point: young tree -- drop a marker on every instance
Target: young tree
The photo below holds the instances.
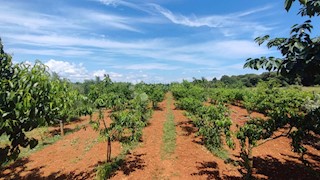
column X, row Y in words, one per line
column 24, row 104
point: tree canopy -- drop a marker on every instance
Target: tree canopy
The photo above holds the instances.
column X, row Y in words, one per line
column 300, row 51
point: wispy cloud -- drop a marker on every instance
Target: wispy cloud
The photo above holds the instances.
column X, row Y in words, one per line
column 69, row 41
column 229, row 24
column 139, row 6
column 148, row 66
column 51, row 52
column 71, row 19
column 168, row 50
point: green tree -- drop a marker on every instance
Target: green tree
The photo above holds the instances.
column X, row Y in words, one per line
column 300, row 51
column 24, row 103
column 31, row 97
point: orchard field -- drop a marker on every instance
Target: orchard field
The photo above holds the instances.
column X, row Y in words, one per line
column 240, row 127
column 178, row 131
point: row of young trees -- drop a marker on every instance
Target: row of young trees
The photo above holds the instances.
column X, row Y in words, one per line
column 130, row 108
column 288, row 108
column 212, row 120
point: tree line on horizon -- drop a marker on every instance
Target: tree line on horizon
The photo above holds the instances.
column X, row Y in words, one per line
column 251, row 80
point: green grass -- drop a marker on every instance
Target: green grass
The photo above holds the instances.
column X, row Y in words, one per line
column 221, row 153
column 74, row 141
column 315, row 89
column 90, row 144
column 169, row 132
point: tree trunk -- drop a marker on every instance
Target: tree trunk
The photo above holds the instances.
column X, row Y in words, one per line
column 154, row 104
column 61, row 127
column 250, row 161
column 109, row 150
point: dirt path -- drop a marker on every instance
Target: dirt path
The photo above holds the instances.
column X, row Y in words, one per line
column 194, row 161
column 145, row 161
column 75, row 156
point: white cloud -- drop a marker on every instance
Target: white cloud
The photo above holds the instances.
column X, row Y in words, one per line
column 77, row 72
column 238, row 49
column 18, row 18
column 113, row 75
column 53, row 52
column 110, row 2
column 73, row 41
column 109, row 20
column 99, row 73
column 229, row 24
column 148, row 66
column 115, row 3
column 72, row 71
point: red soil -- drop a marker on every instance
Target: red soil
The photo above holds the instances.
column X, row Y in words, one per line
column 75, row 156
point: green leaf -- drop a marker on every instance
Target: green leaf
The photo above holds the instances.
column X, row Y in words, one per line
column 304, row 2
column 5, row 114
column 288, row 4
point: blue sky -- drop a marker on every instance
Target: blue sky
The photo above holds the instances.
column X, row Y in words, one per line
column 135, row 40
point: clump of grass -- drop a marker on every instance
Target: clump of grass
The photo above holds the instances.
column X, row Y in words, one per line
column 90, row 144
column 106, row 170
column 169, row 132
column 221, row 153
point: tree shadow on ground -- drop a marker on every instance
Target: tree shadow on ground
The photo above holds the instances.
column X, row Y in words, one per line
column 310, row 155
column 208, row 169
column 272, row 168
column 158, row 109
column 312, row 140
column 187, row 127
column 132, row 163
column 19, row 170
column 58, row 132
column 269, row 167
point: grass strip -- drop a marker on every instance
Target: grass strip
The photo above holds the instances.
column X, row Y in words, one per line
column 169, row 132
